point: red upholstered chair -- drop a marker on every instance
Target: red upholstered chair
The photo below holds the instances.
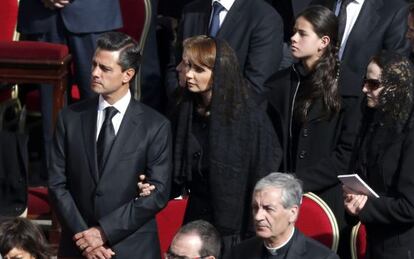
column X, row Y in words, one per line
column 169, row 220
column 136, row 15
column 36, row 62
column 8, row 19
column 317, row 221
column 358, row 241
column 38, row 205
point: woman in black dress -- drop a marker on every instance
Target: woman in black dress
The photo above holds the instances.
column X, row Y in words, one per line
column 384, row 156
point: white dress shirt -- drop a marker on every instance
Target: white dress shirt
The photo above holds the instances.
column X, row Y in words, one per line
column 352, row 11
column 227, row 4
column 121, row 105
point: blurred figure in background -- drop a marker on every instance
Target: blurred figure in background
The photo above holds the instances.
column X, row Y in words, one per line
column 20, row 238
column 196, row 239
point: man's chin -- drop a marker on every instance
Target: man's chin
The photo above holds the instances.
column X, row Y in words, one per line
column 262, row 233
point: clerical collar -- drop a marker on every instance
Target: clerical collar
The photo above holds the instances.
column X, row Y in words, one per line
column 281, row 248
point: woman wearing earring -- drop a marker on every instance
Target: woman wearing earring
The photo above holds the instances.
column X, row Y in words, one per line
column 384, row 156
column 223, row 142
column 315, row 124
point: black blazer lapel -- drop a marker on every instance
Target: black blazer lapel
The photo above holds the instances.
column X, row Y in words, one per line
column 298, row 246
column 366, row 23
column 232, row 19
column 126, row 133
column 88, row 119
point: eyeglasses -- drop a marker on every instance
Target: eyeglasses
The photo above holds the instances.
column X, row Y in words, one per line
column 372, row 84
column 171, row 255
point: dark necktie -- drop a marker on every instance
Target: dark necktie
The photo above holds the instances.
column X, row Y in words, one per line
column 342, row 19
column 215, row 19
column 106, row 137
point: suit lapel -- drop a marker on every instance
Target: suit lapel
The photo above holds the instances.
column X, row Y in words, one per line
column 88, row 120
column 298, row 246
column 232, row 19
column 126, row 131
column 366, row 22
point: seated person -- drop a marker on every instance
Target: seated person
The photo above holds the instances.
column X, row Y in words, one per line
column 21, row 239
column 275, row 203
column 196, row 239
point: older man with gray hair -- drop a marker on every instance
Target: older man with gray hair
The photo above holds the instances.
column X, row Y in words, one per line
column 275, row 203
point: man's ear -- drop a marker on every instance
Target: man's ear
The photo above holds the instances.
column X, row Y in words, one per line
column 294, row 212
column 128, row 75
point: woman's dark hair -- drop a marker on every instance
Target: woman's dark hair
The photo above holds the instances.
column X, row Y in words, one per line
column 397, row 78
column 324, row 78
column 23, row 234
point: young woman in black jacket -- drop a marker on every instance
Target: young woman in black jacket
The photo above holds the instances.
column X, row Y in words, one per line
column 384, row 156
column 315, row 124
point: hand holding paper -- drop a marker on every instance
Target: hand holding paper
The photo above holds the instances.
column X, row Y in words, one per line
column 355, row 184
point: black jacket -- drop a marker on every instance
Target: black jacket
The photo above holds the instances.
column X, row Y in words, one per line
column 13, row 173
column 302, row 247
column 323, row 147
column 386, row 162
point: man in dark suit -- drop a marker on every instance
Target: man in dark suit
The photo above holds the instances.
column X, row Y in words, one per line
column 371, row 26
column 100, row 146
column 253, row 29
column 276, row 201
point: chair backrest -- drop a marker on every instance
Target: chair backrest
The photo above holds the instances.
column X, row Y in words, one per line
column 316, row 220
column 136, row 16
column 169, row 221
column 358, row 241
column 8, row 19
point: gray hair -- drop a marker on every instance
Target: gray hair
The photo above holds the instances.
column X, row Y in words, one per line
column 290, row 185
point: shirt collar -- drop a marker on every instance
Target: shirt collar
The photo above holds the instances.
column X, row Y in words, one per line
column 274, row 250
column 357, row 1
column 227, row 4
column 121, row 105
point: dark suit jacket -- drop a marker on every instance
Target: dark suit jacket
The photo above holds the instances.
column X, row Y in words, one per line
column 252, row 28
column 80, row 16
column 302, row 247
column 381, row 24
column 142, row 144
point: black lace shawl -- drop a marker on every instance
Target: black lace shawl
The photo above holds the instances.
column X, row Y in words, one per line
column 243, row 146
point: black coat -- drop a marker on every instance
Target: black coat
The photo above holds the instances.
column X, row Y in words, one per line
column 302, row 247
column 388, row 169
column 324, row 146
column 13, row 173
